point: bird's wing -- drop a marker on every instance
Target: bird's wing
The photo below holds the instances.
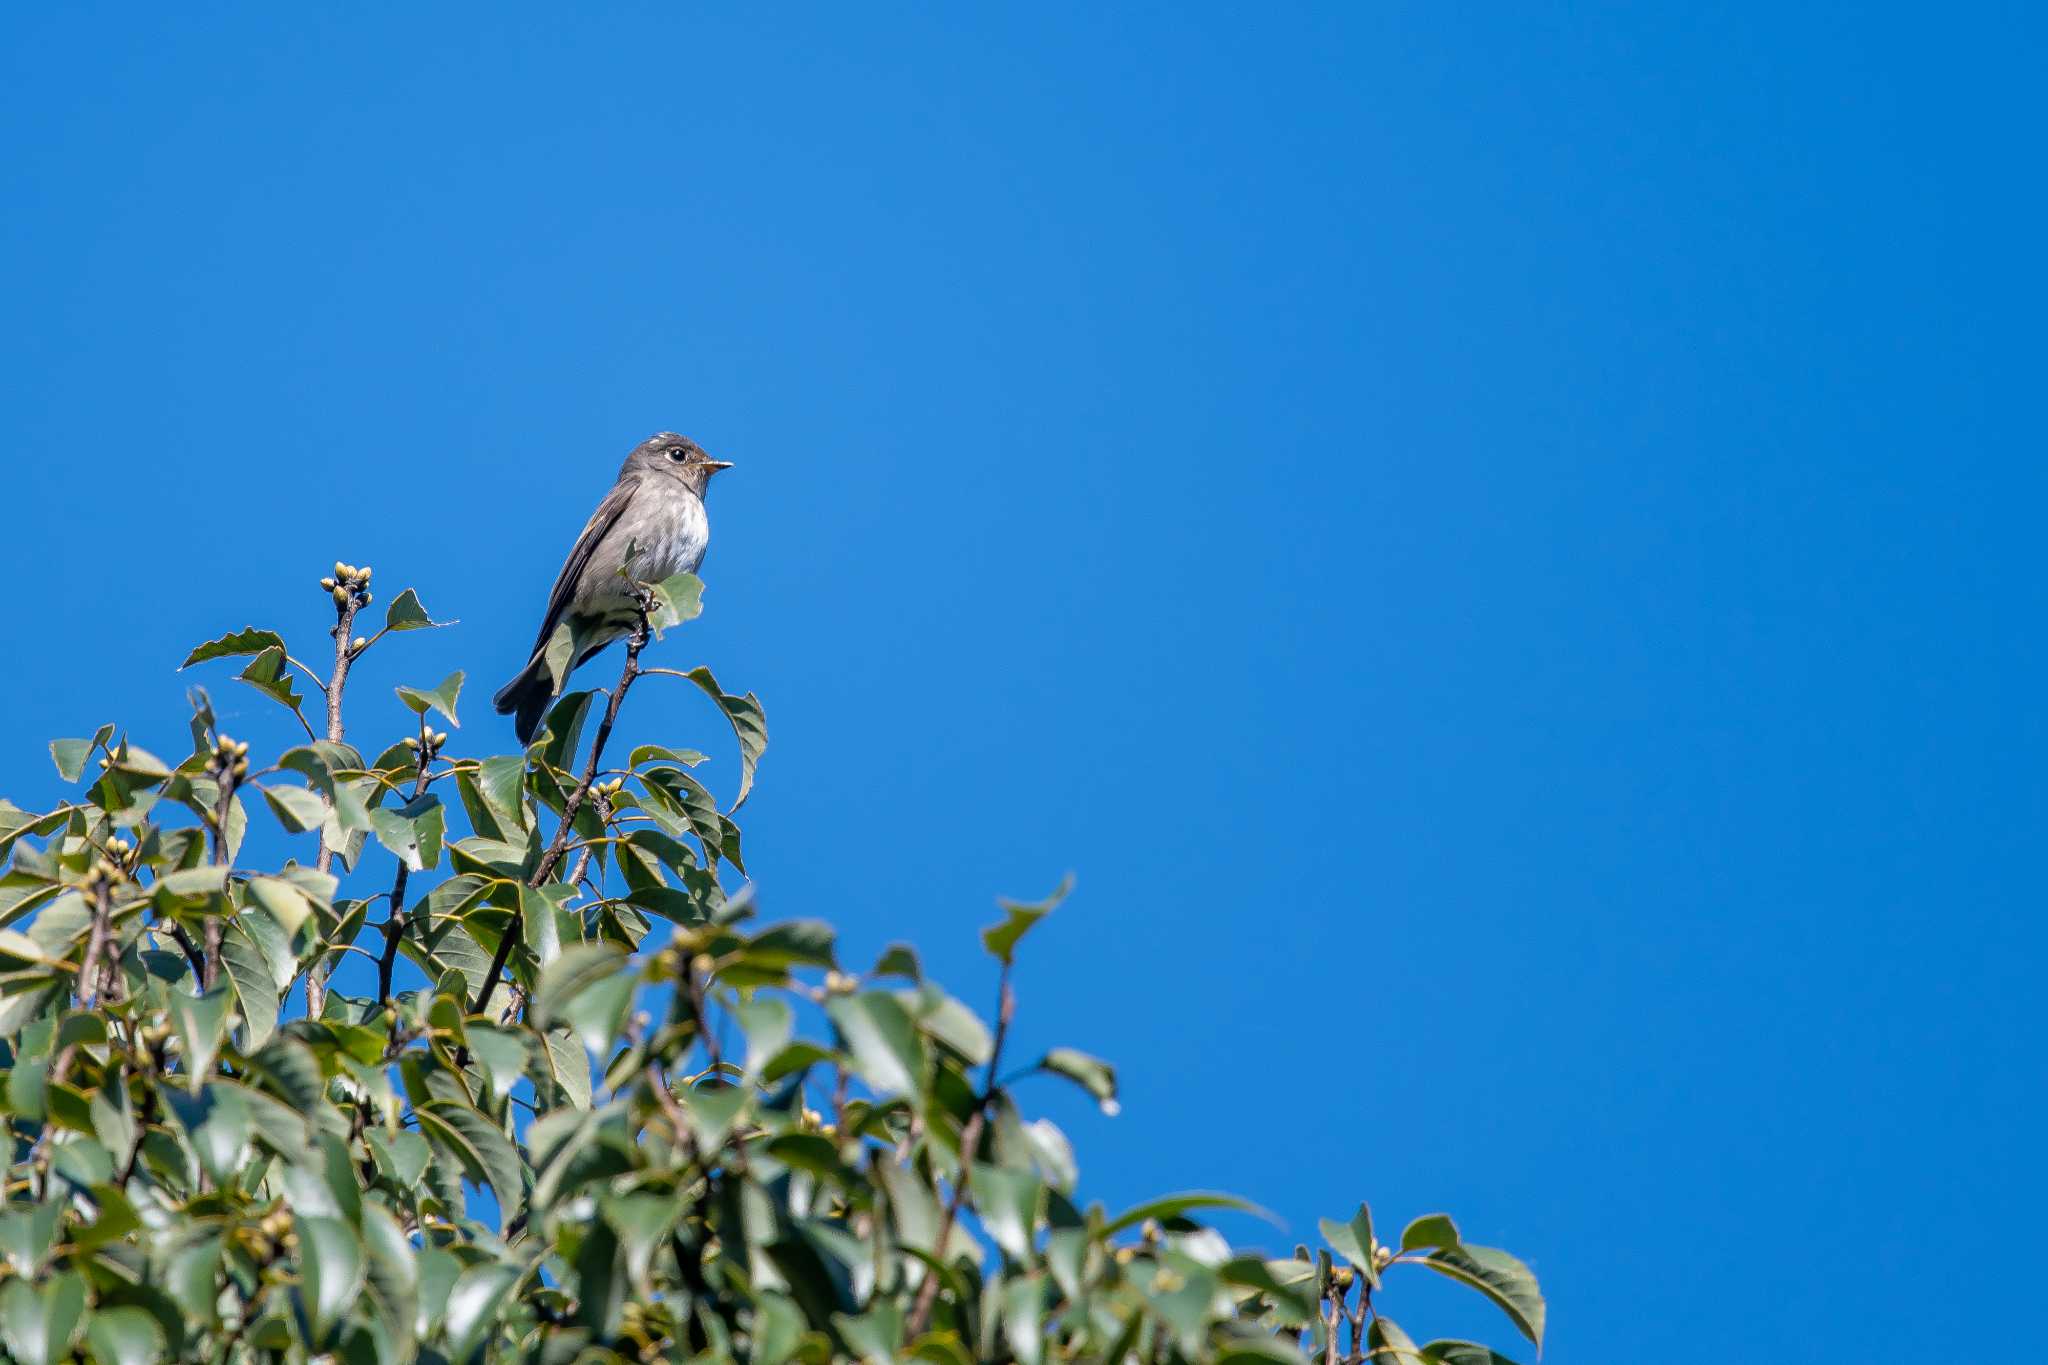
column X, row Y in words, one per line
column 601, row 522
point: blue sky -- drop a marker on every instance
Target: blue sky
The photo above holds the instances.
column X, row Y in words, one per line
column 1497, row 542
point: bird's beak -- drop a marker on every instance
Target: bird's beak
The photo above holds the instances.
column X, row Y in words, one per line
column 715, row 465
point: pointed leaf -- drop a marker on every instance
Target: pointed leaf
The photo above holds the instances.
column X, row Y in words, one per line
column 406, row 613
column 1001, row 939
column 250, row 641
column 441, row 699
column 749, row 726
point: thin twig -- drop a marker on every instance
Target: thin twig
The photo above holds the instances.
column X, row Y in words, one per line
column 344, row 656
column 636, row 642
column 970, row 1138
column 394, row 923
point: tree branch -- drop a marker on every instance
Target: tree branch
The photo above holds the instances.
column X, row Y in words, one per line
column 970, row 1138
column 351, row 596
column 552, row 859
column 394, row 925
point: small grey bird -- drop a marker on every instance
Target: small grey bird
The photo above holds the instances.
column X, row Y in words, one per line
column 656, row 508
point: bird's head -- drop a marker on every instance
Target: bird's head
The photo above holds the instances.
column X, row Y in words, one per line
column 672, row 456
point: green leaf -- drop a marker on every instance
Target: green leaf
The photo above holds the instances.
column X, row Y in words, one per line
column 406, row 613
column 440, row 699
column 569, row 1064
column 502, row 780
column 1391, row 1345
column 249, row 641
column 286, row 903
column 1092, row 1074
column 39, row 1325
column 1007, row 1201
column 27, row 1233
column 1353, row 1241
column 70, row 756
column 1001, row 939
column 268, row 674
column 1177, row 1205
column 125, row 1336
column 1462, row 1353
column 676, row 600
column 596, row 1014
column 768, row 1024
column 1024, row 1318
column 217, row 1123
column 474, row 1306
column 502, row 1055
column 712, row 1112
column 1430, row 1230
column 300, row 811
column 579, row 967
column 255, row 988
column 202, row 1022
column 749, row 726
column 332, row 1269
column 655, row 753
column 883, row 1039
column 414, row 832
column 393, row 1276
column 947, row 1021
column 1494, row 1273
column 497, row 1162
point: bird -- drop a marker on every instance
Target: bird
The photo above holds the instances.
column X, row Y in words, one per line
column 655, row 511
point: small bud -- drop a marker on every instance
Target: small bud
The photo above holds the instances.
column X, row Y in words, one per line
column 440, row 738
column 358, row 645
column 368, row 598
column 241, row 747
column 364, row 576
column 1342, row 1277
column 1124, row 1255
column 1382, row 1257
column 411, row 742
column 341, row 597
column 812, row 1118
column 327, row 585
column 340, row 569
column 702, row 964
column 839, row 983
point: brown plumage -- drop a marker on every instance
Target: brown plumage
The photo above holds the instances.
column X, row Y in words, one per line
column 657, row 510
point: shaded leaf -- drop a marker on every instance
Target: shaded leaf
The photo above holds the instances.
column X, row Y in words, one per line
column 749, row 727
column 441, row 699
column 406, row 613
column 241, row 642
column 1001, row 939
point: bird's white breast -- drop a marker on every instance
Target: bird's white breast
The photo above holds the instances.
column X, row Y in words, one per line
column 681, row 535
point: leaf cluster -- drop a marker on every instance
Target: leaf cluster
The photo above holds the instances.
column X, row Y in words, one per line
column 668, row 1131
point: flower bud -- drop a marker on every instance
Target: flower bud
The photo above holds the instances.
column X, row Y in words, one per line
column 440, row 738
column 1124, row 1255
column 341, row 597
column 358, row 645
column 340, row 569
column 327, row 585
column 363, row 576
column 703, row 964
column 369, row 598
column 411, row 743
column 1342, row 1277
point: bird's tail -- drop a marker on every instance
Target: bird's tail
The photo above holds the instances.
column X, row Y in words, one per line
column 526, row 697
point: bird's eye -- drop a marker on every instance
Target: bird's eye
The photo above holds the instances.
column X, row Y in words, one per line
column 676, row 452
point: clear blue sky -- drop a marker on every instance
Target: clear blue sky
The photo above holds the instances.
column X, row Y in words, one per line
column 1502, row 545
